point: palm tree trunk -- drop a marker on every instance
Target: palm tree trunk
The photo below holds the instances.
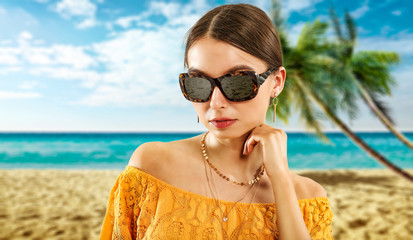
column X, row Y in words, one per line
column 358, row 141
column 380, row 115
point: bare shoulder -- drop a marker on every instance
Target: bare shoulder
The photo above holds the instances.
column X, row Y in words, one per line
column 158, row 158
column 307, row 188
column 149, row 156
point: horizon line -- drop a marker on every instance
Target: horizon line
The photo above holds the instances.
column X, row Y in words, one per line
column 158, row 131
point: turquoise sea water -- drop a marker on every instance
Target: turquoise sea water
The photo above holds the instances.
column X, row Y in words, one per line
column 113, row 150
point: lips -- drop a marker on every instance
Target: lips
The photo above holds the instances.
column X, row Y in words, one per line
column 222, row 122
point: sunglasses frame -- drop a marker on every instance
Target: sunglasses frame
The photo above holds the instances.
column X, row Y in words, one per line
column 257, row 80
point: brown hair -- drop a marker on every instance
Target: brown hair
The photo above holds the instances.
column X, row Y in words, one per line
column 243, row 26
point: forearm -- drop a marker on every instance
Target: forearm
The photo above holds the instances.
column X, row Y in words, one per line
column 290, row 221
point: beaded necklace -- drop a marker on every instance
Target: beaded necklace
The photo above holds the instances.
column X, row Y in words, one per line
column 225, row 218
column 204, row 153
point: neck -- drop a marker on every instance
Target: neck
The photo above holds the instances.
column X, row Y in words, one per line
column 226, row 155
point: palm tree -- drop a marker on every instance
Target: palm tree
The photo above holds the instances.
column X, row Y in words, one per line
column 370, row 72
column 315, row 75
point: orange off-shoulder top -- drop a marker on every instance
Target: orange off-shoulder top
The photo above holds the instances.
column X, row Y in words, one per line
column 141, row 206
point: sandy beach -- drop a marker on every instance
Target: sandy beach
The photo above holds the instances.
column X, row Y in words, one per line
column 70, row 204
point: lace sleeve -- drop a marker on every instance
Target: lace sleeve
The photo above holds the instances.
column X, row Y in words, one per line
column 122, row 208
column 322, row 217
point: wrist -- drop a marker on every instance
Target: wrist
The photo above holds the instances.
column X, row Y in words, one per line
column 280, row 177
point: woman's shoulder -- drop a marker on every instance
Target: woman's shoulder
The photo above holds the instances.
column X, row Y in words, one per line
column 158, row 158
column 306, row 188
column 144, row 156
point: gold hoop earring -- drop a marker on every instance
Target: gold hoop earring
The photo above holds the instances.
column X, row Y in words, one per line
column 274, row 103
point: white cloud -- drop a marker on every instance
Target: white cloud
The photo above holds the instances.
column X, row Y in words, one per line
column 78, row 8
column 136, row 73
column 17, row 17
column 72, row 56
column 361, row 30
column 25, row 53
column 168, row 10
column 361, row 11
column 87, row 78
column 135, row 59
column 175, row 14
column 87, row 23
column 385, row 30
column 403, row 77
column 388, row 44
column 19, row 95
column 9, row 56
column 136, row 66
column 26, row 35
column 28, row 84
column 2, row 10
column 38, row 42
column 38, row 57
column 9, row 70
column 401, row 101
column 69, row 8
column 126, row 22
column 289, row 6
column 6, row 42
column 396, row 12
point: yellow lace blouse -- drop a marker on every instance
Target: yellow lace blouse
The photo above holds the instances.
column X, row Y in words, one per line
column 141, row 206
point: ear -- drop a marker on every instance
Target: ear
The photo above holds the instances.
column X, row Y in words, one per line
column 279, row 79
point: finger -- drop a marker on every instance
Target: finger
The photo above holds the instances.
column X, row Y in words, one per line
column 252, row 141
column 246, row 148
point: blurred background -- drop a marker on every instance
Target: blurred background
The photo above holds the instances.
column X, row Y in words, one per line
column 84, row 82
column 110, row 67
column 95, row 65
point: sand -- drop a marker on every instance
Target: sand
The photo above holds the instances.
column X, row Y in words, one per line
column 70, row 204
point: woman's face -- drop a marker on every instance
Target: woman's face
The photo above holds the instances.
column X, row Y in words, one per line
column 214, row 58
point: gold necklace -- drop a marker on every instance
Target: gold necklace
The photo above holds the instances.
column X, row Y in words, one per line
column 204, row 153
column 219, row 205
column 225, row 218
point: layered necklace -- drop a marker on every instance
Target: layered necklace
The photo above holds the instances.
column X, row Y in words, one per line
column 251, row 183
column 204, row 153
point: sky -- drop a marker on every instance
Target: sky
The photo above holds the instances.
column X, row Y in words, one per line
column 113, row 65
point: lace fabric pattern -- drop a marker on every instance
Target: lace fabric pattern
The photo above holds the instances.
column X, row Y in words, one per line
column 143, row 207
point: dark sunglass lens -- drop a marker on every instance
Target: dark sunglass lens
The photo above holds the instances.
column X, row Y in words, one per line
column 197, row 88
column 238, row 86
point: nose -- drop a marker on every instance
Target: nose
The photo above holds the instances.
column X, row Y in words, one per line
column 218, row 99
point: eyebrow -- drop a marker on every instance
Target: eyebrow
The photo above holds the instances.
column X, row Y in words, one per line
column 231, row 70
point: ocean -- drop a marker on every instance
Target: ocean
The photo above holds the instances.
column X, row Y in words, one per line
column 113, row 150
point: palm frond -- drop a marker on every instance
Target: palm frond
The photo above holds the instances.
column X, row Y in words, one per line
column 336, row 23
column 312, row 37
column 381, row 105
column 372, row 69
column 351, row 27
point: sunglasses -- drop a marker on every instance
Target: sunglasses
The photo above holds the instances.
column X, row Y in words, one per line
column 236, row 87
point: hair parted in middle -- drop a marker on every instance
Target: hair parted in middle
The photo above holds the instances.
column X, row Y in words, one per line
column 244, row 26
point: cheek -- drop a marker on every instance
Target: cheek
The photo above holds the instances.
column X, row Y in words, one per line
column 255, row 110
column 200, row 108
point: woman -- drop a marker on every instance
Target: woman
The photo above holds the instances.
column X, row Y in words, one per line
column 233, row 182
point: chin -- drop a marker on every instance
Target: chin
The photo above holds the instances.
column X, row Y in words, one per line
column 230, row 132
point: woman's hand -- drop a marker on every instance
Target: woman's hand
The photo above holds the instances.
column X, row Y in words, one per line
column 271, row 144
